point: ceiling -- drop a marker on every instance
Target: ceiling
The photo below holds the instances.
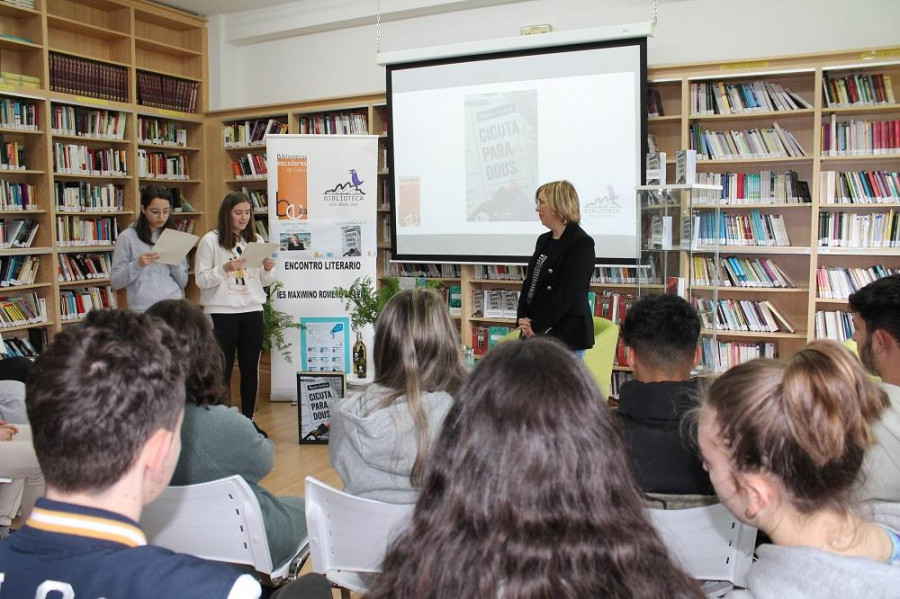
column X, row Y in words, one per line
column 208, row 8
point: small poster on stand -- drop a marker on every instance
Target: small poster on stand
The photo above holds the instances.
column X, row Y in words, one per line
column 317, row 393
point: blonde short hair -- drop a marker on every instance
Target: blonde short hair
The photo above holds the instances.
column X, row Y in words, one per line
column 562, row 198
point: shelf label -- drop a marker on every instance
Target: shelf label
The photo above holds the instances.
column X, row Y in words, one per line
column 7, row 88
column 738, row 66
column 95, row 101
column 880, row 54
column 167, row 112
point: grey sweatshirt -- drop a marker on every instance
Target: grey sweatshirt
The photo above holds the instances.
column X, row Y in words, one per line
column 881, row 470
column 144, row 285
column 804, row 572
column 373, row 449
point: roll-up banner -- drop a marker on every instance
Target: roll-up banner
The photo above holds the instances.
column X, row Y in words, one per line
column 322, row 210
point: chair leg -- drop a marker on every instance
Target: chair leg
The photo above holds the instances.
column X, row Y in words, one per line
column 345, row 593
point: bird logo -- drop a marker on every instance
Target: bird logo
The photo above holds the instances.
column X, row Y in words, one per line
column 354, row 178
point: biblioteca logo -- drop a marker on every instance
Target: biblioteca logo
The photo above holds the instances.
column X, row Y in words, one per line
column 604, row 207
column 348, row 193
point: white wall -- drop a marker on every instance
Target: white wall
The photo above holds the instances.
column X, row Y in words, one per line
column 313, row 49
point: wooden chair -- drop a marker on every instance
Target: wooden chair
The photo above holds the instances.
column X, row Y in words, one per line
column 220, row 521
column 349, row 535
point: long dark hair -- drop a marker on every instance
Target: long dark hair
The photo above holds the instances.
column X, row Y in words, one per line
column 528, row 494
column 204, row 383
column 417, row 351
column 148, row 194
column 228, row 237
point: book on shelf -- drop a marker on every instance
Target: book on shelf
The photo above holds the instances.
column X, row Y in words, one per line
column 496, row 333
column 837, row 282
column 770, row 142
column 454, row 300
column 83, row 196
column 164, row 91
column 74, row 304
column 480, row 337
column 656, row 168
column 859, row 230
column 17, row 232
column 345, row 123
column 12, row 155
column 83, row 267
column 857, row 137
column 76, row 159
column 860, row 187
column 262, row 229
column 87, row 122
column 722, row 355
column 22, row 310
column 660, row 232
column 20, row 80
column 76, row 230
column 720, row 97
column 654, row 102
column 18, row 270
column 85, row 77
column 18, row 113
column 162, row 165
column 836, row 325
column 161, row 132
column 764, row 187
column 686, row 167
column 857, row 89
column 510, row 303
column 493, row 303
column 477, row 307
column 252, row 132
column 752, row 229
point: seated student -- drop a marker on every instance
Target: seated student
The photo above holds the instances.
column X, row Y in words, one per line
column 527, row 494
column 379, row 439
column 660, row 333
column 218, row 441
column 784, row 443
column 18, row 462
column 106, row 422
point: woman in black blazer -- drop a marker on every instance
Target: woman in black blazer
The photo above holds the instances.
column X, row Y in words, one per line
column 554, row 299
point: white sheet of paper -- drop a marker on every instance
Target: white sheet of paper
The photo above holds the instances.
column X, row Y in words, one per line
column 173, row 245
column 255, row 252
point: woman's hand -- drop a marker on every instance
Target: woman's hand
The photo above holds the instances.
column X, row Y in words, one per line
column 147, row 258
column 525, row 327
column 233, row 265
column 268, row 264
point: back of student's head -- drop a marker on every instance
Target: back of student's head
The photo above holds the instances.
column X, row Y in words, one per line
column 663, row 330
column 528, row 493
column 878, row 304
column 97, row 394
column 204, row 378
column 417, row 351
column 806, row 421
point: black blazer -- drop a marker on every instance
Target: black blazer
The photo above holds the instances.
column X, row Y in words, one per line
column 560, row 306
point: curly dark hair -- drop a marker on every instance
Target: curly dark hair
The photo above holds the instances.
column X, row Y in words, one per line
column 204, row 384
column 878, row 304
column 528, row 494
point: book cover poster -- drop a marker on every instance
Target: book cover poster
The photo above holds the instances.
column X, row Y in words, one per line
column 317, row 394
column 351, row 240
column 292, row 202
column 325, row 344
column 409, row 199
column 294, row 242
column 501, row 156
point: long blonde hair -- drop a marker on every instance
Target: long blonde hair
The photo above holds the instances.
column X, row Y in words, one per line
column 417, row 351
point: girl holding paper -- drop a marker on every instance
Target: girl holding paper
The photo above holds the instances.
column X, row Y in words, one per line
column 135, row 267
column 233, row 293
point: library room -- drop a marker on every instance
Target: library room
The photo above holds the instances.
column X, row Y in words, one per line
column 268, row 267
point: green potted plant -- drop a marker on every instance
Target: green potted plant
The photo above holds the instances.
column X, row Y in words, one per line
column 275, row 323
column 364, row 302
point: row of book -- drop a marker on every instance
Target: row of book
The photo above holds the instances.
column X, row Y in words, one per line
column 862, row 187
column 17, row 347
column 654, row 103
column 764, row 187
column 428, row 270
column 18, row 270
column 262, row 229
column 857, row 89
column 74, row 304
column 12, row 155
column 21, row 3
column 86, row 231
column 752, row 229
column 250, row 166
column 836, row 325
column 19, row 79
column 735, row 271
column 741, row 315
column 83, row 267
column 83, row 196
column 163, row 91
column 484, row 338
column 185, row 225
column 860, row 137
column 22, row 310
column 603, row 275
column 162, row 165
column 837, row 282
column 259, row 198
column 17, row 196
column 348, row 123
column 495, row 303
column 614, row 306
column 252, row 132
column 161, row 132
column 17, row 232
column 500, row 272
column 719, row 356
column 851, row 230
column 87, row 122
column 19, row 114
column 719, row 97
column 85, row 77
column 74, row 159
column 771, row 142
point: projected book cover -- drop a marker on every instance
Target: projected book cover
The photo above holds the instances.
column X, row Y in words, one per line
column 501, row 156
